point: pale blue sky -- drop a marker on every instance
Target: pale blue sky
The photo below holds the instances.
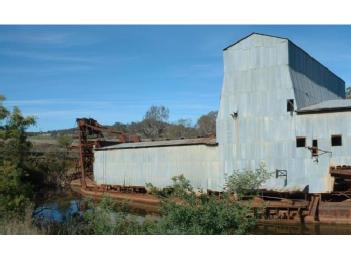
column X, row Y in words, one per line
column 114, row 73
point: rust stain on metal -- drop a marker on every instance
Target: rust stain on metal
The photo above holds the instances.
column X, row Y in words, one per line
column 131, row 196
column 90, row 131
column 90, row 135
column 340, row 171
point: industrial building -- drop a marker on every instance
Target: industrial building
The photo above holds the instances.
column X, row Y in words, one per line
column 279, row 106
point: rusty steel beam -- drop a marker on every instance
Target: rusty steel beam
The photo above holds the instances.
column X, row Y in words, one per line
column 90, row 135
column 87, row 129
column 340, row 171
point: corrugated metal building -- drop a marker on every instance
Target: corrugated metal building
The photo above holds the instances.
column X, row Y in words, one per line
column 135, row 164
column 276, row 101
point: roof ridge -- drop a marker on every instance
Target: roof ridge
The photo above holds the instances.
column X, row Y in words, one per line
column 289, row 41
column 251, row 34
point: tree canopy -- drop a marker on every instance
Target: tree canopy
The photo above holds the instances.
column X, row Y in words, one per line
column 15, row 188
column 206, row 124
column 156, row 125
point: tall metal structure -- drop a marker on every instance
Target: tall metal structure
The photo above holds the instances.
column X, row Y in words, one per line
column 90, row 136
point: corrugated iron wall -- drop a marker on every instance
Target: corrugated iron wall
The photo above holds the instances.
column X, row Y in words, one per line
column 157, row 165
column 312, row 81
column 258, row 80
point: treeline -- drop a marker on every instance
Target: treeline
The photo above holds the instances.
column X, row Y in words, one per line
column 156, row 125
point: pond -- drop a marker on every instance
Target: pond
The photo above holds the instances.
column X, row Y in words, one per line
column 58, row 207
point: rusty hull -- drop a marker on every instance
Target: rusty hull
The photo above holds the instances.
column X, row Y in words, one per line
column 275, row 211
column 138, row 201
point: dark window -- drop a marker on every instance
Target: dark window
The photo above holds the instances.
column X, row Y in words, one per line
column 300, row 141
column 314, row 147
column 290, row 105
column 336, row 140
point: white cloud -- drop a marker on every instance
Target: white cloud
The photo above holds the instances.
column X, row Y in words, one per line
column 48, row 36
column 45, row 70
column 48, row 56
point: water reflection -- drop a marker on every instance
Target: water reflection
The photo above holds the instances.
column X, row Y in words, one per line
column 54, row 212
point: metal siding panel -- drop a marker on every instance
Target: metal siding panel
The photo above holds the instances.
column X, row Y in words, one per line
column 158, row 165
column 264, row 131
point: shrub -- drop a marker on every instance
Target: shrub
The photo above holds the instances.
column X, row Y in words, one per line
column 109, row 218
column 247, row 182
column 183, row 212
column 15, row 186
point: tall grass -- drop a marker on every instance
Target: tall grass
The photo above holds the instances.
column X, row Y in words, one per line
column 20, row 225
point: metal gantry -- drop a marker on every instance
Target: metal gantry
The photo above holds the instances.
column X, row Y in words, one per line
column 90, row 136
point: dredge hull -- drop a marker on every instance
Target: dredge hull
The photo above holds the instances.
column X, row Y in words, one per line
column 277, row 210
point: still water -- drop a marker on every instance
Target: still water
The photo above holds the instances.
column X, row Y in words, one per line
column 61, row 206
column 57, row 207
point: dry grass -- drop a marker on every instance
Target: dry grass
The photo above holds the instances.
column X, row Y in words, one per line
column 20, row 226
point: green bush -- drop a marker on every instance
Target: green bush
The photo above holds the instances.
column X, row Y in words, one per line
column 104, row 218
column 15, row 186
column 247, row 182
column 185, row 212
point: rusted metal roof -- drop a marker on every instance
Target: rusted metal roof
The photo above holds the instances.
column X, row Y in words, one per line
column 337, row 105
column 163, row 143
